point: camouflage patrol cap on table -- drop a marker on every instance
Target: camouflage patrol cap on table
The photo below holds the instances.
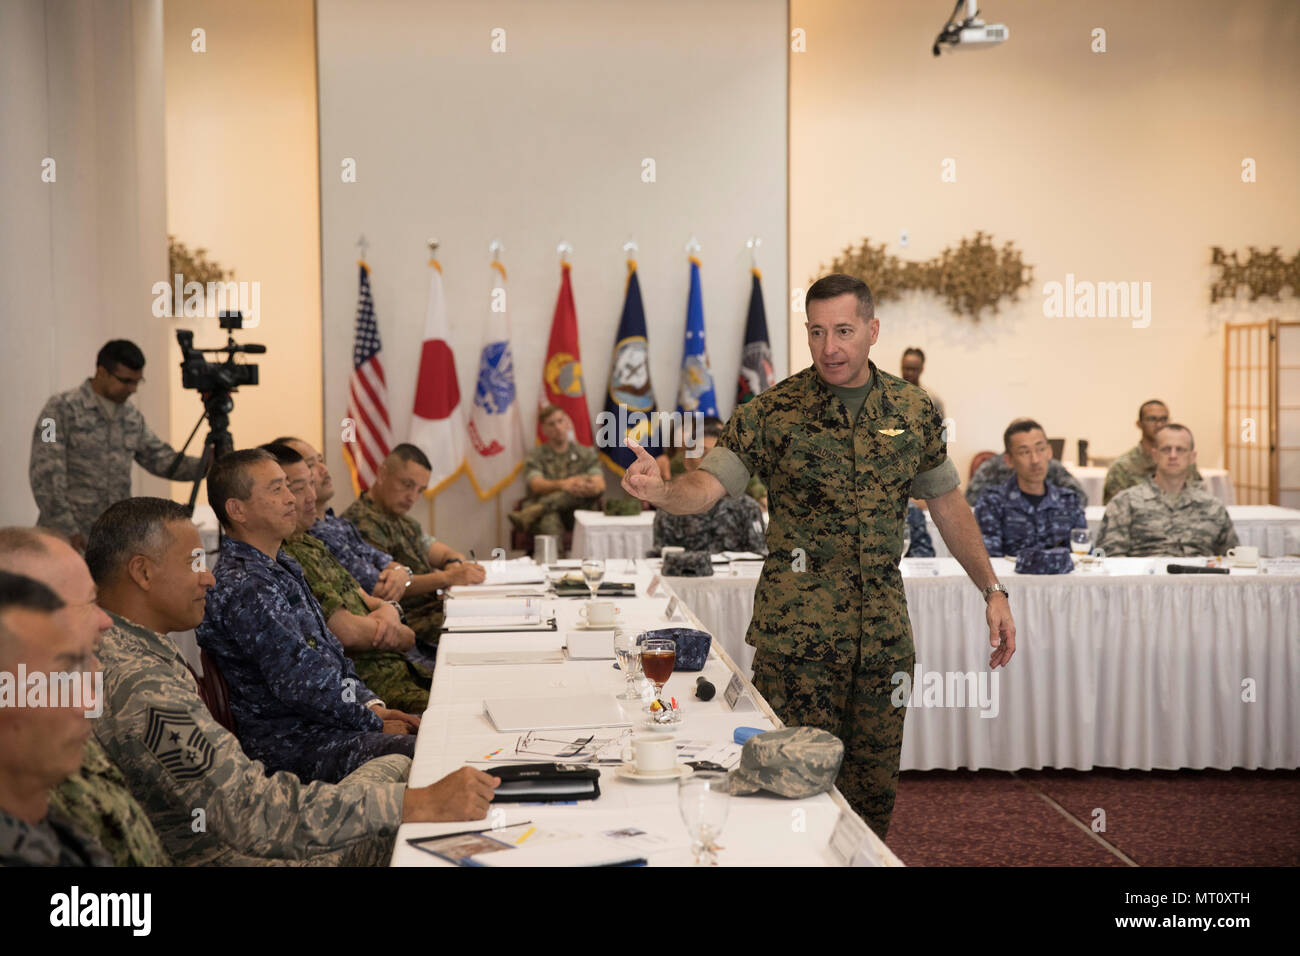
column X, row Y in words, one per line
column 623, row 507
column 795, row 762
column 1044, row 561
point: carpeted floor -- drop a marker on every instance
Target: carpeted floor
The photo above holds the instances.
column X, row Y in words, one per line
column 1046, row 818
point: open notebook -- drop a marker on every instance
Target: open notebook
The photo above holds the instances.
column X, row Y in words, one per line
column 497, row 614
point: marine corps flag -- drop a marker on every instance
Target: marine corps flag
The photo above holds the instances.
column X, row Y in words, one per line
column 496, row 435
column 438, row 419
column 696, row 393
column 562, row 373
column 756, row 373
column 630, row 401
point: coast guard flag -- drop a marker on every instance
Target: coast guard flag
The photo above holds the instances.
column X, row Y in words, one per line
column 756, row 373
column 438, row 419
column 630, row 398
column 369, row 438
column 696, row 392
column 562, row 373
column 496, row 435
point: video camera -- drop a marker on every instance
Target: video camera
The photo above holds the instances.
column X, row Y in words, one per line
column 204, row 376
column 214, row 381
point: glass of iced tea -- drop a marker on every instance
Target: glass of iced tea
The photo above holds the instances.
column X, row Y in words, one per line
column 658, row 657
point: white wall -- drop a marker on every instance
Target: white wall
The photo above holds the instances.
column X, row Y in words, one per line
column 536, row 145
column 81, row 84
column 1115, row 166
column 241, row 182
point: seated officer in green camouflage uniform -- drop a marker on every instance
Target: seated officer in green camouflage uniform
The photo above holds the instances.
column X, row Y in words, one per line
column 95, row 797
column 1167, row 514
column 841, row 447
column 370, row 630
column 41, row 746
column 380, row 514
column 1138, row 464
column 211, row 803
column 85, row 440
column 561, row 476
column 732, row 524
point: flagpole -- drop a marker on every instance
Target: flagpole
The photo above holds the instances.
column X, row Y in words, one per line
column 433, row 499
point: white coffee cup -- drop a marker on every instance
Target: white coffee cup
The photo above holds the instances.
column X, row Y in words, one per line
column 654, row 753
column 1244, row 556
column 597, row 613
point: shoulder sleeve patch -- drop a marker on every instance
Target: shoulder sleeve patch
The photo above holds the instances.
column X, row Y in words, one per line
column 173, row 737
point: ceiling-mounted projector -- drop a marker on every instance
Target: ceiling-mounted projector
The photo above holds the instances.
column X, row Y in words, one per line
column 969, row 34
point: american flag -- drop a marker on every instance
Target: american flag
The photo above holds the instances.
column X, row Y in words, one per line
column 370, row 436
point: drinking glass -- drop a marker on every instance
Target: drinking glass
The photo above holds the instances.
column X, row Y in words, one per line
column 703, row 799
column 1080, row 540
column 658, row 658
column 907, row 539
column 629, row 661
column 593, row 572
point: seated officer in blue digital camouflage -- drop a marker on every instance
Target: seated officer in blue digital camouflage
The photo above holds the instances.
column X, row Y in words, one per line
column 1027, row 510
column 296, row 698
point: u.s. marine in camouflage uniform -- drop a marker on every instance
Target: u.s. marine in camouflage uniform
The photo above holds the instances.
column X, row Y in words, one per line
column 380, row 514
column 561, row 476
column 84, row 442
column 389, row 674
column 99, row 801
column 841, row 447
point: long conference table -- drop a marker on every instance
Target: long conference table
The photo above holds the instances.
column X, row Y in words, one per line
column 1133, row 668
column 761, row 830
column 1275, row 531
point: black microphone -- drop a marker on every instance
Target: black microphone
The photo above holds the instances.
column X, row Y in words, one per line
column 704, row 690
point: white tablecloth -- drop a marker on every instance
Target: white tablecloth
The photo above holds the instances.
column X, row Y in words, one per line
column 598, row 535
column 1125, row 670
column 760, row 830
column 1275, row 531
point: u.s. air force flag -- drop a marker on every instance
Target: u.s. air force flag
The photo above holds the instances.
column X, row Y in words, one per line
column 496, row 434
column 630, row 400
column 696, row 392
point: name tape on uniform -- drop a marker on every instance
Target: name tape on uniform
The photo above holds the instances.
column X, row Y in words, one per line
column 851, row 842
column 736, row 696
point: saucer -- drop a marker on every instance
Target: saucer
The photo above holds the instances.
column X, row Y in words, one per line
column 584, row 626
column 628, row 771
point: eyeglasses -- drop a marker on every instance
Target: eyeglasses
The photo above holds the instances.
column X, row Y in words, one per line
column 128, row 381
column 1155, row 418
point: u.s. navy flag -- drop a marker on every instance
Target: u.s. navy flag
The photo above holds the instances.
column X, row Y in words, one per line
column 496, row 435
column 756, row 374
column 630, row 400
column 438, row 419
column 369, row 437
column 562, row 373
column 696, row 393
